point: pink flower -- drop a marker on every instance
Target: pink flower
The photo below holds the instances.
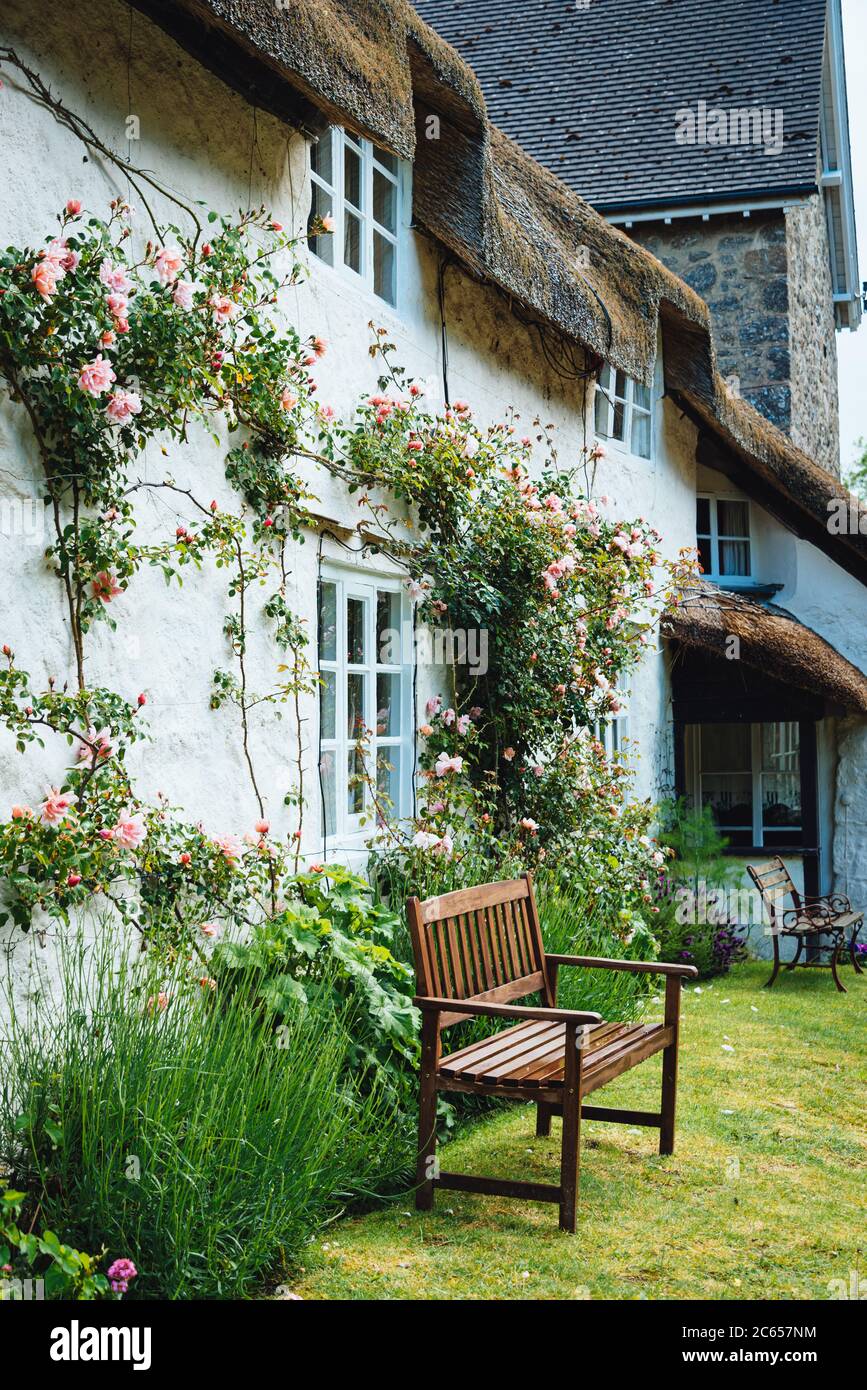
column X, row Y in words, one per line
column 475, row 711
column 58, row 254
column 73, row 880
column 97, row 376
column 437, row 807
column 207, row 982
column 425, row 730
column 21, row 813
column 45, row 275
column 508, row 754
column 415, row 445
column 158, row 1001
column 129, row 830
column 121, row 405
column 287, row 400
column 115, row 278
column 328, row 222
column 229, row 846
column 463, row 723
column 529, row 824
column 433, row 705
column 101, row 742
column 105, row 586
column 448, row 716
column 225, row 309
column 318, row 345
column 445, row 764
column 182, row 294
column 73, row 207
column 167, row 264
column 122, row 1271
column 208, row 929
column 117, row 305
column 56, row 806
column 262, row 827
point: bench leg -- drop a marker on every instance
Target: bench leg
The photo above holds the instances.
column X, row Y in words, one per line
column 571, row 1140
column 837, row 981
column 853, row 953
column 669, row 1065
column 776, row 970
column 543, row 1121
column 427, row 1114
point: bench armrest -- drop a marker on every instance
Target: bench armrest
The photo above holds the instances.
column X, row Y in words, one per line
column 636, row 967
column 514, row 1011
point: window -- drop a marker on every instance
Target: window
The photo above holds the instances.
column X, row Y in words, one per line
column 750, row 777
column 722, row 526
column 622, row 409
column 358, row 185
column 613, row 734
column 365, row 703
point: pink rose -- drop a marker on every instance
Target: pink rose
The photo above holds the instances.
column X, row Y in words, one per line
column 168, row 262
column 529, row 824
column 45, row 275
column 105, row 587
column 433, row 705
column 56, row 806
column 425, row 730
column 208, row 929
column 97, row 376
column 21, row 813
column 73, row 207
column 328, row 222
column 182, row 294
column 225, row 309
column 73, row 880
column 508, row 754
column 287, row 400
column 262, row 827
column 115, row 278
column 463, row 723
column 445, row 765
column 129, row 830
column 158, row 1001
column 229, row 846
column 121, row 405
column 101, row 742
column 448, row 716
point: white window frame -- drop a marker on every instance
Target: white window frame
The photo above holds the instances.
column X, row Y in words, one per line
column 714, row 574
column 756, row 774
column 604, row 403
column 352, row 829
column 369, row 156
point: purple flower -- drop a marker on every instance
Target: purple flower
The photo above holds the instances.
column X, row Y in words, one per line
column 120, row 1273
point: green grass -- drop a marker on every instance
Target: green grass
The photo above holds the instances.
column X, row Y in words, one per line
column 764, row 1202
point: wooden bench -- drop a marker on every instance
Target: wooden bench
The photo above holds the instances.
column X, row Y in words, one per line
column 807, row 920
column 476, row 951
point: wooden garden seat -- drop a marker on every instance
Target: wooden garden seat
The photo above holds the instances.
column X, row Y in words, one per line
column 831, row 916
column 476, row 951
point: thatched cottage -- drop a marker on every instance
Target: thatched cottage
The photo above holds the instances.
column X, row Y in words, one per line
column 499, row 284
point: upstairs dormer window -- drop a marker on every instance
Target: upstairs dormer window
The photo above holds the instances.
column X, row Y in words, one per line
column 357, row 185
column 623, row 411
column 722, row 526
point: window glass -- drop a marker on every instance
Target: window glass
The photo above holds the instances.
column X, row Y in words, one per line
column 355, row 636
column 384, row 201
column 387, row 705
column 328, row 705
column 355, row 681
column 352, row 241
column 352, row 183
column 327, row 621
column 383, row 267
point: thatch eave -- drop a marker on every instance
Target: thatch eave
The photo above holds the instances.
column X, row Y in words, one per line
column 769, row 640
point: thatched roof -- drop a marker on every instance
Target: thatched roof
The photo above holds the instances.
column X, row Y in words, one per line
column 374, row 66
column 770, row 640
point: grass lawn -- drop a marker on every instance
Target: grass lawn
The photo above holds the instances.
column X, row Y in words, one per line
column 764, row 1197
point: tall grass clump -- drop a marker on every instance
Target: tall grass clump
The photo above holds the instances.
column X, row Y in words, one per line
column 575, row 923
column 186, row 1131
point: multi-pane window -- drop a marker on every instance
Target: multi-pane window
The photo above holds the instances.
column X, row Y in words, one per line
column 623, row 411
column 750, row 777
column 357, row 185
column 722, row 527
column 365, row 706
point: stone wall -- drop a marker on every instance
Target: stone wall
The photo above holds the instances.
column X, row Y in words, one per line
column 767, row 282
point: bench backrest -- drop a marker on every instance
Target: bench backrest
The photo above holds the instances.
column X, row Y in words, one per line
column 774, row 883
column 479, row 943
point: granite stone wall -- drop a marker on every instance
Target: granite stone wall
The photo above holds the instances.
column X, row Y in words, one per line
column 767, row 282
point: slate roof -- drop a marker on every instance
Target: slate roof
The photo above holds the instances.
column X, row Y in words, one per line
column 591, row 92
